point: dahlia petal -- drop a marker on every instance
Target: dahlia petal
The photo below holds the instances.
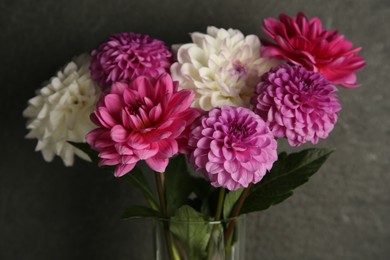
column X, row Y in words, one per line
column 143, row 86
column 204, row 143
column 214, row 145
column 155, row 113
column 231, row 166
column 111, row 155
column 188, row 70
column 144, row 117
column 135, row 122
column 222, row 179
column 130, row 96
column 213, row 157
column 201, row 160
column 113, row 103
column 157, row 135
column 245, row 177
column 119, row 134
column 48, row 155
column 227, row 153
column 182, row 54
column 122, row 169
column 108, row 162
column 105, row 117
column 137, row 141
column 197, row 56
column 147, row 152
column 118, row 88
column 157, row 164
column 270, row 25
column 231, row 185
column 213, row 168
column 167, row 148
column 99, row 138
column 180, row 101
column 243, row 157
column 259, row 174
column 129, row 159
column 165, row 86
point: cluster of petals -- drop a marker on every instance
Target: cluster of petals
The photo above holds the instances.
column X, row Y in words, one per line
column 222, row 67
column 125, row 56
column 304, row 42
column 60, row 111
column 298, row 104
column 232, row 146
column 146, row 119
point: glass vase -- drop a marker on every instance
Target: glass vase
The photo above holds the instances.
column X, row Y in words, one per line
column 200, row 240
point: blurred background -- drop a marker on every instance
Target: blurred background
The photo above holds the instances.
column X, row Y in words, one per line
column 49, row 211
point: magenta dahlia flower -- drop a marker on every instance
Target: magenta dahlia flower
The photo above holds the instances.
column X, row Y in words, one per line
column 142, row 120
column 304, row 42
column 298, row 104
column 232, row 146
column 126, row 56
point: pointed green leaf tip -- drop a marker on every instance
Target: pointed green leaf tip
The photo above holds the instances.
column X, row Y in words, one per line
column 288, row 172
column 84, row 147
column 136, row 211
column 137, row 179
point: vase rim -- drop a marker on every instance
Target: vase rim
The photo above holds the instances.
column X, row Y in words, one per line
column 210, row 222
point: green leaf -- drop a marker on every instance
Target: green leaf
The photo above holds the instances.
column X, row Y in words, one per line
column 136, row 178
column 140, row 212
column 84, row 147
column 192, row 231
column 178, row 183
column 230, row 200
column 289, row 172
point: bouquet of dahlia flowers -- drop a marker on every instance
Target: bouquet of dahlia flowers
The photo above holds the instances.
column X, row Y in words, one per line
column 204, row 120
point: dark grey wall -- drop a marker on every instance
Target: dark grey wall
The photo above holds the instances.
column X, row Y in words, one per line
column 48, row 211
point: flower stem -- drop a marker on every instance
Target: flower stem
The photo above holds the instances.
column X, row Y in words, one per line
column 235, row 213
column 221, row 199
column 163, row 208
column 214, row 232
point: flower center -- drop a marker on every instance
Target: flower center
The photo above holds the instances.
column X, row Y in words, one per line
column 239, row 68
column 140, row 110
column 238, row 131
column 135, row 109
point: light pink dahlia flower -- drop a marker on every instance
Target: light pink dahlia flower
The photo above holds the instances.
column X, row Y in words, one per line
column 304, row 42
column 143, row 120
column 232, row 146
column 298, row 104
column 126, row 56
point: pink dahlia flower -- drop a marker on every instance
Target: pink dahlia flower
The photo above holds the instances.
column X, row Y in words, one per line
column 298, row 104
column 232, row 146
column 304, row 42
column 142, row 120
column 126, row 56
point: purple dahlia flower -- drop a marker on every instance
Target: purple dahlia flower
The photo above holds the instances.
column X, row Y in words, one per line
column 232, row 146
column 298, row 104
column 128, row 55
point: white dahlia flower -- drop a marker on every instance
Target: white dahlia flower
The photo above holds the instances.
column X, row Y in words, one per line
column 60, row 111
column 222, row 67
